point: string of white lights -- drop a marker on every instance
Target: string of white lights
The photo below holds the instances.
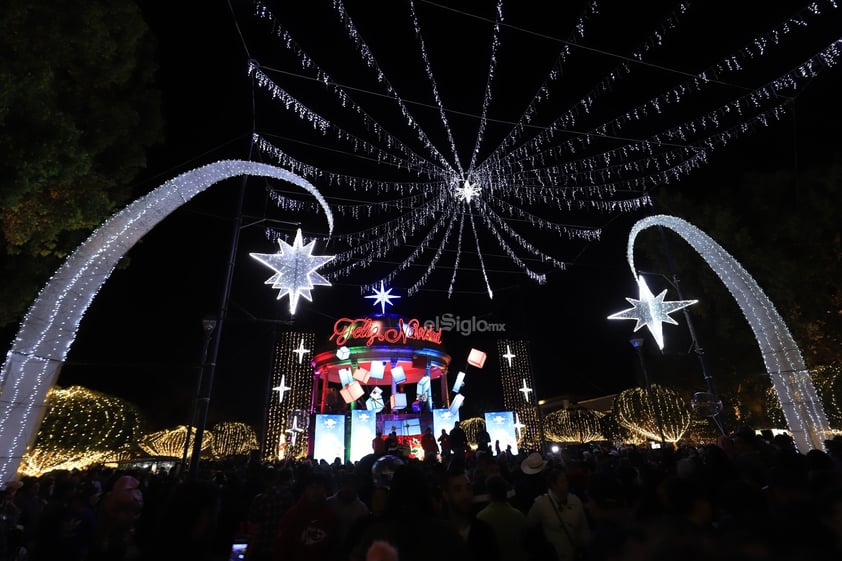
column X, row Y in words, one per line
column 435, row 89
column 458, row 256
column 422, row 280
column 802, row 409
column 479, row 255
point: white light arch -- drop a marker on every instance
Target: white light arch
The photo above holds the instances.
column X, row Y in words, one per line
column 800, row 404
column 47, row 331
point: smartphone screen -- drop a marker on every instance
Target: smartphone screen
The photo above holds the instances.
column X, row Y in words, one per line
column 238, row 552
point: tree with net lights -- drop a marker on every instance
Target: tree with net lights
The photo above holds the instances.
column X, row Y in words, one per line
column 170, row 443
column 472, row 427
column 233, row 439
column 573, row 425
column 634, row 410
column 82, row 427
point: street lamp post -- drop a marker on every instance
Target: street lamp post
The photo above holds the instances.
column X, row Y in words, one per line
column 637, row 343
column 208, row 327
column 202, row 400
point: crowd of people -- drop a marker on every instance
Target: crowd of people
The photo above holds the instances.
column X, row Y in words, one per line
column 741, row 498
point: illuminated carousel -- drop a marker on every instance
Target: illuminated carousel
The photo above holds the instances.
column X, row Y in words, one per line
column 390, row 374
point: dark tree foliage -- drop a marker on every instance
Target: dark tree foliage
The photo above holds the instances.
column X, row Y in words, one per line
column 78, row 110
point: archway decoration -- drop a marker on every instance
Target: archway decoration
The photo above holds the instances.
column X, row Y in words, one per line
column 802, row 409
column 47, row 331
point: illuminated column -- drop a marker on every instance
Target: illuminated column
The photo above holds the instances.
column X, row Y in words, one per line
column 519, row 397
column 292, row 391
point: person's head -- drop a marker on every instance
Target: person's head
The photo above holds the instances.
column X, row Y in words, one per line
column 315, row 488
column 444, row 432
column 458, row 493
column 377, row 502
column 497, row 487
column 347, row 487
column 557, row 482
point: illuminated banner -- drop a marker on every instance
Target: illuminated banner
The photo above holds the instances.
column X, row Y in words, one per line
column 444, row 419
column 373, row 331
column 363, row 431
column 501, row 427
column 329, row 437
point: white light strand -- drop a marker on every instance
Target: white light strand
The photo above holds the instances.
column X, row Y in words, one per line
column 346, row 100
column 49, row 326
column 479, row 255
column 802, row 409
column 458, row 256
column 492, row 64
column 432, row 80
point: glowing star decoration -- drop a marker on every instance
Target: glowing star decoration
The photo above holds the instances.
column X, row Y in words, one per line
column 467, row 192
column 383, row 297
column 295, row 269
column 525, row 389
column 301, row 351
column 518, row 426
column 294, row 431
column 509, row 355
column 651, row 311
column 282, row 389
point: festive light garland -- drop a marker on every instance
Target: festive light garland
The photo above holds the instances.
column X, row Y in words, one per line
column 285, row 427
column 49, row 327
column 560, row 167
column 81, row 428
column 634, row 410
column 802, row 409
column 515, row 374
column 233, row 439
column 573, row 425
column 170, row 443
column 472, row 426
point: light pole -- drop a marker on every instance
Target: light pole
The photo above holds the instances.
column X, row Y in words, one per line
column 637, row 343
column 202, row 401
column 208, row 327
column 694, row 342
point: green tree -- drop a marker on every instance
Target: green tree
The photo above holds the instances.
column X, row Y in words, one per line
column 78, row 110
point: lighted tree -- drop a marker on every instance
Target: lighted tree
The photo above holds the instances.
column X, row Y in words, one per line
column 78, row 110
column 82, row 427
column 472, row 426
column 828, row 383
column 633, row 410
column 573, row 425
column 170, row 442
column 233, row 439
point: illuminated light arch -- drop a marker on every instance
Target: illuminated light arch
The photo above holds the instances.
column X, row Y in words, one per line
column 802, row 409
column 47, row 331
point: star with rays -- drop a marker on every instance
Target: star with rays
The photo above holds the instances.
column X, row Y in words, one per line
column 282, row 389
column 509, row 355
column 294, row 430
column 301, row 351
column 467, row 192
column 383, row 297
column 295, row 269
column 651, row 311
column 525, row 389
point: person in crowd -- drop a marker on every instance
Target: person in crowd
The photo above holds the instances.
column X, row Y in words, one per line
column 392, row 443
column 429, row 445
column 266, row 510
column 458, row 442
column 307, row 531
column 458, row 497
column 444, row 445
column 483, row 440
column 562, row 517
column 378, row 444
column 507, row 522
column 529, row 482
column 347, row 505
column 117, row 517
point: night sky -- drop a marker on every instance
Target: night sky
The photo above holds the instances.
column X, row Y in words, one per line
column 142, row 337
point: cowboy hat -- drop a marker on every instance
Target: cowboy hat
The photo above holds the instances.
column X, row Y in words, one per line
column 534, row 463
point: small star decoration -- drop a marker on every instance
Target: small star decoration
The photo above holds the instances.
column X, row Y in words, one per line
column 383, row 297
column 467, row 192
column 651, row 311
column 509, row 355
column 295, row 269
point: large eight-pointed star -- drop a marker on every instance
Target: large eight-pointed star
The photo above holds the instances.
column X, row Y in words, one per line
column 295, row 269
column 651, row 311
